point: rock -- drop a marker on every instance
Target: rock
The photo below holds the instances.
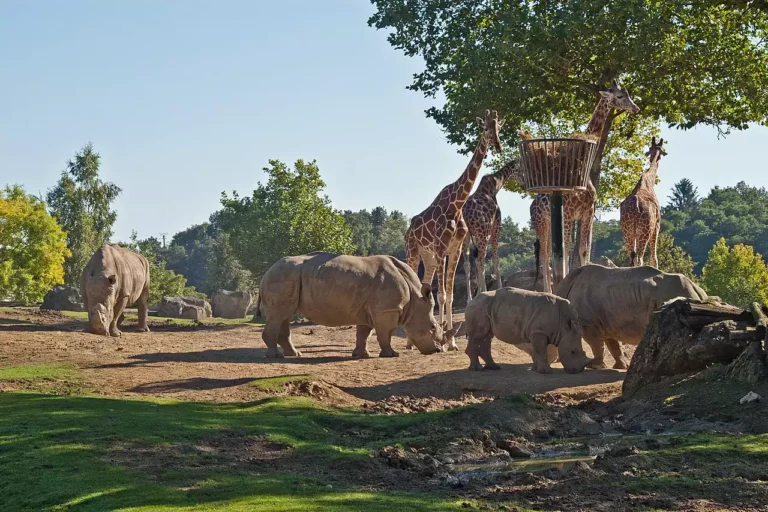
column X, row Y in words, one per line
column 679, row 340
column 178, row 307
column 749, row 398
column 227, row 304
column 525, row 280
column 750, row 365
column 63, row 298
column 201, row 303
column 515, row 449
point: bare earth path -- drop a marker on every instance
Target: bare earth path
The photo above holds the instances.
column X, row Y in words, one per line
column 218, row 362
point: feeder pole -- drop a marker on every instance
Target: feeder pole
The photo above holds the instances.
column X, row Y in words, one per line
column 558, row 262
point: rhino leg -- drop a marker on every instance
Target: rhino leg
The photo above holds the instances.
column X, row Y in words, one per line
column 472, row 352
column 361, row 346
column 143, row 306
column 598, row 351
column 553, row 355
column 271, row 335
column 614, row 347
column 539, row 344
column 385, row 325
column 486, row 355
column 117, row 314
column 284, row 339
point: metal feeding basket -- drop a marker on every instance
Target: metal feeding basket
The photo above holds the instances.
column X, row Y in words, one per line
column 556, row 165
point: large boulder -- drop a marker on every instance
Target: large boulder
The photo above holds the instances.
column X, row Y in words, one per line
column 688, row 335
column 183, row 307
column 227, row 304
column 63, row 298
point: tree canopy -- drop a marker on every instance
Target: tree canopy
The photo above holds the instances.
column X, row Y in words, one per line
column 285, row 216
column 32, row 247
column 81, row 203
column 542, row 63
column 737, row 214
column 377, row 231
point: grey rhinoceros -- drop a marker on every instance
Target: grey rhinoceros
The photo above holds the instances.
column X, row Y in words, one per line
column 371, row 292
column 113, row 279
column 532, row 321
column 615, row 304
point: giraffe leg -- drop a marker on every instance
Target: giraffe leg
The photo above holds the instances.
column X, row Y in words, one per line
column 495, row 234
column 465, row 251
column 545, row 254
column 482, row 247
column 654, row 240
column 585, row 240
column 412, row 252
column 567, row 233
column 627, row 232
column 450, row 270
column 429, row 273
column 641, row 248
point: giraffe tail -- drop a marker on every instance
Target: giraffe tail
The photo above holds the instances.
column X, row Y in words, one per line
column 536, row 252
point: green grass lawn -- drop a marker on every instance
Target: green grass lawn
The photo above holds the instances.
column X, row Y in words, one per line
column 93, row 453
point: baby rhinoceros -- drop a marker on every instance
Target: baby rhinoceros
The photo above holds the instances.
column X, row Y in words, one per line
column 522, row 317
column 113, row 279
column 371, row 292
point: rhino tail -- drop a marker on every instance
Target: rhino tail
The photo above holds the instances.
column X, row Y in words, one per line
column 257, row 314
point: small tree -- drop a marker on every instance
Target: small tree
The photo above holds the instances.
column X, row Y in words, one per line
column 737, row 275
column 81, row 203
column 32, row 247
column 287, row 216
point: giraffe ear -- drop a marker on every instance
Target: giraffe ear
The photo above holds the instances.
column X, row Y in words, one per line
column 605, row 94
column 615, row 83
column 480, row 121
column 501, row 123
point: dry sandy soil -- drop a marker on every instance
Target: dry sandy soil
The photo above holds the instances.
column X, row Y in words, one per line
column 217, row 362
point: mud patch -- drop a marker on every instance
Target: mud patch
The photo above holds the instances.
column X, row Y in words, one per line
column 224, row 451
column 410, row 404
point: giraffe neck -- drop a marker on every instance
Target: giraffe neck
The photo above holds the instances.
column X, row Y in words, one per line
column 463, row 185
column 599, row 116
column 510, row 171
column 648, row 179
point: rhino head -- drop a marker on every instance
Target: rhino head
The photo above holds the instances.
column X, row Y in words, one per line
column 101, row 298
column 572, row 355
column 422, row 329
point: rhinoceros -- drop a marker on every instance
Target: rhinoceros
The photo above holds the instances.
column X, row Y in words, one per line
column 113, row 279
column 532, row 321
column 371, row 292
column 615, row 304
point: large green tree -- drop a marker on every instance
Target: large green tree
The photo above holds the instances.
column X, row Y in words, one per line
column 543, row 63
column 285, row 216
column 82, row 205
column 685, row 196
column 32, row 247
column 737, row 275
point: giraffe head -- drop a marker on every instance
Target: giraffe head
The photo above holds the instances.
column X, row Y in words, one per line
column 619, row 98
column 656, row 151
column 491, row 126
column 492, row 183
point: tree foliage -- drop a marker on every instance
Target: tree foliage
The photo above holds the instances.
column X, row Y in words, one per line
column 671, row 257
column 378, row 231
column 285, row 216
column 163, row 282
column 685, row 196
column 738, row 214
column 81, row 204
column 202, row 254
column 32, row 247
column 542, row 63
column 739, row 276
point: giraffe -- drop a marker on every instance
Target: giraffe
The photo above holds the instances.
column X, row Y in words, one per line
column 483, row 217
column 438, row 232
column 578, row 206
column 641, row 212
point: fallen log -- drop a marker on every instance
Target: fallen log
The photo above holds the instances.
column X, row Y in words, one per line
column 697, row 314
column 761, row 320
column 746, row 335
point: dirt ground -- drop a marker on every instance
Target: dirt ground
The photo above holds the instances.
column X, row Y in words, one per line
column 218, row 362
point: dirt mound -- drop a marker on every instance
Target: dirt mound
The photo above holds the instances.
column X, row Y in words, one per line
column 411, row 404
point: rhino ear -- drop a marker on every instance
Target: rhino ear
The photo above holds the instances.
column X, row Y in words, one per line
column 112, row 279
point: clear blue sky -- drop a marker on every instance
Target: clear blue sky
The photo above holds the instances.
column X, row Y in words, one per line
column 187, row 99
